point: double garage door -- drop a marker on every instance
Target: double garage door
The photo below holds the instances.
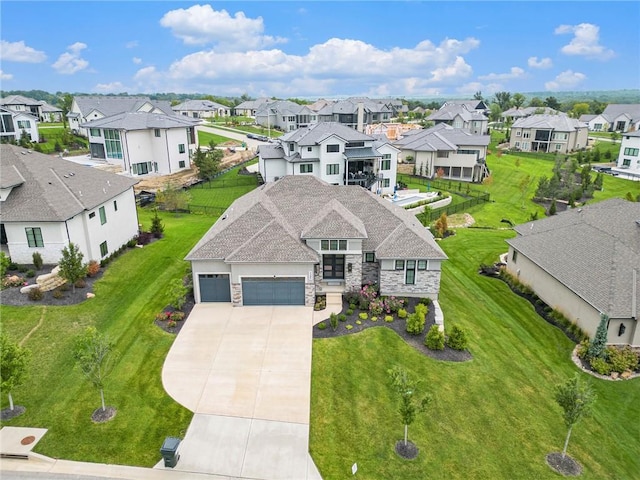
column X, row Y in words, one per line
column 255, row 291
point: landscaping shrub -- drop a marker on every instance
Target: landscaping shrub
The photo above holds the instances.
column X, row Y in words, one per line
column 363, row 315
column 333, row 320
column 342, row 317
column 176, row 316
column 80, row 283
column 374, row 319
column 367, row 294
column 376, row 306
column 133, row 242
column 434, row 339
column 93, row 267
column 597, row 348
column 35, row 294
column 30, row 273
column 352, row 296
column 157, row 228
column 415, row 324
column 388, row 318
column 358, row 322
column 583, row 349
column 600, row 365
column 144, row 238
column 322, row 326
column 349, row 327
column 57, row 293
column 422, row 310
column 22, row 268
column 457, row 338
column 425, row 301
column 393, row 304
column 352, row 306
column 13, row 266
column 402, row 313
column 622, row 359
column 350, row 311
column 37, row 260
column 177, row 293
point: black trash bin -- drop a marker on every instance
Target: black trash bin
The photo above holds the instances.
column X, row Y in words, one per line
column 169, row 451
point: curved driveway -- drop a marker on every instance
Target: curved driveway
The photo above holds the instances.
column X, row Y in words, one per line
column 245, row 372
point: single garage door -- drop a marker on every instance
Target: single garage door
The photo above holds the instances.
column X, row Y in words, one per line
column 273, row 291
column 214, row 288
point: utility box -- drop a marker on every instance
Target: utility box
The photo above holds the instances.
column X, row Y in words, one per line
column 169, row 451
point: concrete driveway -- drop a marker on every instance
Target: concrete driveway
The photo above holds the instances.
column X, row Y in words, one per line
column 245, row 372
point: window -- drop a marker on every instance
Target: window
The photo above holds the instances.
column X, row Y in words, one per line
column 141, row 168
column 34, row 237
column 386, row 182
column 355, row 144
column 115, row 205
column 525, row 145
column 291, row 146
column 103, row 216
column 514, row 256
column 517, row 144
column 94, row 132
column 399, row 264
column 558, row 146
column 156, row 132
column 333, row 148
column 306, row 168
column 181, row 148
column 626, row 162
column 597, row 127
column 24, row 124
column 410, row 273
column 112, row 144
column 103, row 249
column 92, row 214
column 631, row 151
column 518, row 133
column 525, row 134
column 333, row 266
column 385, row 164
column 422, row 264
column 309, row 149
column 333, row 169
column 369, row 257
column 442, row 154
column 333, row 244
column 181, row 164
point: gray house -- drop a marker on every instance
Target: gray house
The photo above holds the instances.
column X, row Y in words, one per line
column 584, row 262
column 290, row 240
column 548, row 134
column 461, row 115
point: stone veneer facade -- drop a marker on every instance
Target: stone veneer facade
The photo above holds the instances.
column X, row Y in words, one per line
column 370, row 272
column 353, row 279
column 427, row 283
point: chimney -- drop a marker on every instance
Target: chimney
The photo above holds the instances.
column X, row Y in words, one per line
column 360, row 127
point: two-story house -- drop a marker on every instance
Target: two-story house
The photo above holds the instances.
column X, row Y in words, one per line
column 548, row 134
column 202, row 109
column 290, row 240
column 335, row 153
column 628, row 161
column 39, row 109
column 446, row 152
column 15, row 125
column 285, row 115
column 459, row 115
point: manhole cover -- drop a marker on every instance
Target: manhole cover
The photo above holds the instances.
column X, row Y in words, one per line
column 28, row 440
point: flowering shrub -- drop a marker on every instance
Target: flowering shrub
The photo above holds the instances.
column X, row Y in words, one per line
column 368, row 293
column 13, row 281
column 176, row 316
column 93, row 267
column 393, row 304
column 171, row 323
column 376, row 306
column 162, row 316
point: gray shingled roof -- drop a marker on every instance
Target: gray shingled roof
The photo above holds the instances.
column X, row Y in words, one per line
column 449, row 112
column 591, row 250
column 335, row 221
column 318, row 132
column 527, row 111
column 54, row 189
column 294, row 203
column 142, row 121
column 18, row 100
column 199, row 105
column 559, row 122
column 440, row 137
column 113, row 105
column 615, row 109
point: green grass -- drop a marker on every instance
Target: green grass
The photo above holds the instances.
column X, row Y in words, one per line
column 493, row 417
column 56, row 134
column 204, row 138
column 128, row 296
column 235, row 186
column 252, row 129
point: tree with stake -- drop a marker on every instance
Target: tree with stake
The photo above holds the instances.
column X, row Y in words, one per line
column 410, row 406
column 95, row 356
column 71, row 267
column 14, row 361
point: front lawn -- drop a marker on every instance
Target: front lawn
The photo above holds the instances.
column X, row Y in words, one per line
column 493, row 417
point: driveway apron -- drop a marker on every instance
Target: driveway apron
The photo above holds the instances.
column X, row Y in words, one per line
column 245, row 372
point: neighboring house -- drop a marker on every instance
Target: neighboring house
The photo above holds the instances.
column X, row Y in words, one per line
column 47, row 202
column 39, row 109
column 356, row 112
column 392, row 131
column 443, row 150
column 584, row 262
column 622, row 117
column 50, row 113
column 16, row 124
column 548, row 133
column 458, row 115
column 86, row 108
column 142, row 142
column 514, row 113
column 479, row 106
column 629, row 157
column 596, row 123
column 334, row 153
column 250, row 107
column 285, row 115
column 290, row 240
column 202, row 109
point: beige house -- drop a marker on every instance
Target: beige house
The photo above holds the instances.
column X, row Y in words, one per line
column 584, row 262
column 548, row 134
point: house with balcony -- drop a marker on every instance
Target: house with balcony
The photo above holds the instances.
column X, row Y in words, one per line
column 460, row 116
column 335, row 153
column 290, row 240
column 285, row 115
column 514, row 113
column 622, row 117
column 205, row 109
column 479, row 106
column 628, row 162
column 16, row 124
column 548, row 134
column 446, row 152
column 39, row 109
column 144, row 143
column 356, row 112
column 47, row 202
column 249, row 108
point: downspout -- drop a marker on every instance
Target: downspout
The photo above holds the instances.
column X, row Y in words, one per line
column 166, row 142
column 126, row 142
column 634, row 290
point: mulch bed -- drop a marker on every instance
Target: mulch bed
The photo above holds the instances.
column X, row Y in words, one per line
column 8, row 414
column 100, row 416
column 186, row 309
column 12, row 296
column 397, row 325
column 566, row 466
column 408, row 451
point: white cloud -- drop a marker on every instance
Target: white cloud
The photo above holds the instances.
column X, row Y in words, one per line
column 533, row 62
column 585, row 42
column 5, row 76
column 136, row 60
column 514, row 73
column 71, row 62
column 201, row 25
column 566, row 80
column 19, row 52
column 113, row 87
column 131, row 44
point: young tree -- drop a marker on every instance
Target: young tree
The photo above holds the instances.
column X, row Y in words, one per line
column 598, row 346
column 524, row 186
column 410, row 406
column 65, row 102
column 95, row 356
column 494, row 112
column 208, row 162
column 553, row 209
column 71, row 267
column 4, row 263
column 14, row 361
column 178, row 293
column 576, row 399
column 157, row 227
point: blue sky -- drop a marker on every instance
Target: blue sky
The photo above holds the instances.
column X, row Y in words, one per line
column 321, row 48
